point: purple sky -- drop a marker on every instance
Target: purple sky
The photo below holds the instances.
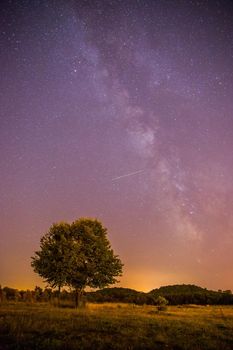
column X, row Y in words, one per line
column 120, row 110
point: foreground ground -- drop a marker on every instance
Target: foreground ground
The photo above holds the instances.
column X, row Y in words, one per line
column 115, row 326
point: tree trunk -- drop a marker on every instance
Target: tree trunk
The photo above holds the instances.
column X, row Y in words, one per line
column 59, row 295
column 78, row 298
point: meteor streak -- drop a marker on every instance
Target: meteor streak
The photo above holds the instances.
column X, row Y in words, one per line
column 126, row 175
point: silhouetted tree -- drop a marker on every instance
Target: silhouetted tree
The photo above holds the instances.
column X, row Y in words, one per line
column 11, row 294
column 77, row 255
column 38, row 293
column 47, row 294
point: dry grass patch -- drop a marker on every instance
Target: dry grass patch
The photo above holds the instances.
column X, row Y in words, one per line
column 115, row 326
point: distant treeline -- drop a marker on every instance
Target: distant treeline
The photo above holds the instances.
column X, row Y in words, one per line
column 175, row 295
column 191, row 294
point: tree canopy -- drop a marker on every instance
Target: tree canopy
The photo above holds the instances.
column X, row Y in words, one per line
column 77, row 255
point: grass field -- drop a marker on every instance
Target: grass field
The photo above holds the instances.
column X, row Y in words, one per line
column 115, row 326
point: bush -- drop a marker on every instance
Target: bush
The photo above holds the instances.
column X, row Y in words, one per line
column 161, row 301
column 162, row 308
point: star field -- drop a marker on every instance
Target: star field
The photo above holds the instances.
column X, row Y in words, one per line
column 120, row 110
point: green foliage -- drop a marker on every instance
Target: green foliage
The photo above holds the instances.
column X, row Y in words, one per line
column 91, row 260
column 161, row 301
column 77, row 255
column 50, row 261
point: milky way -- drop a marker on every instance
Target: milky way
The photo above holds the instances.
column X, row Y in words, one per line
column 120, row 110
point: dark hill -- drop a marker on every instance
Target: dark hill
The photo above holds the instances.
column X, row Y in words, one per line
column 123, row 295
column 178, row 289
column 191, row 294
column 176, row 295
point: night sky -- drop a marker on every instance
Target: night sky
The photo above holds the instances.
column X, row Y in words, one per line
column 120, row 110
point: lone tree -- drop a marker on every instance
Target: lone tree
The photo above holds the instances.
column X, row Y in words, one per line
column 77, row 255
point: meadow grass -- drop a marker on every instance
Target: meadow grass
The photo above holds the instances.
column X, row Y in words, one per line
column 115, row 326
